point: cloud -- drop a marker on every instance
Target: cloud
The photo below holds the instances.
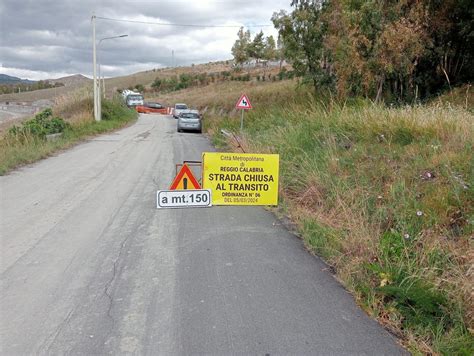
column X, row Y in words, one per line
column 46, row 37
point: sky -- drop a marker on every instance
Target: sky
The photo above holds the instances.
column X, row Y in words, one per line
column 47, row 39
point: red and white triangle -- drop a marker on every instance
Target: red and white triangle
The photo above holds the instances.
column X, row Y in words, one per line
column 243, row 103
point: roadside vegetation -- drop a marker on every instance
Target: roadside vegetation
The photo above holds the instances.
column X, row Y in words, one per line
column 373, row 118
column 259, row 73
column 22, row 87
column 384, row 194
column 395, row 51
column 377, row 169
column 71, row 118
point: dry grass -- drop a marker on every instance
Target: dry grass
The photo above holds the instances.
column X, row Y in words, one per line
column 43, row 94
column 385, row 195
column 76, row 108
column 221, row 97
column 146, row 78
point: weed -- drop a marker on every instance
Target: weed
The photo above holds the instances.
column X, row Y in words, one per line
column 27, row 144
column 43, row 124
column 385, row 195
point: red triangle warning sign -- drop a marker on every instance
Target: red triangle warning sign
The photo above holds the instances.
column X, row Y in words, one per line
column 243, row 103
column 185, row 180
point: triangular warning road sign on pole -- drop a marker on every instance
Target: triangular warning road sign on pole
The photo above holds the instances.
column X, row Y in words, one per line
column 185, row 180
column 243, row 103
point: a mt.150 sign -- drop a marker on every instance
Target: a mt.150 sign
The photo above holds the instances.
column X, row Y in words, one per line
column 241, row 178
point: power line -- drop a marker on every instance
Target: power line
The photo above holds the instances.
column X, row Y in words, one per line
column 178, row 24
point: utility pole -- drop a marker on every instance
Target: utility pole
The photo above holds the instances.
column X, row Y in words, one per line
column 99, row 95
column 172, row 58
column 96, row 112
column 101, row 88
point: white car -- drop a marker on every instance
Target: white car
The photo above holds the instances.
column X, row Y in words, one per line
column 178, row 109
column 190, row 120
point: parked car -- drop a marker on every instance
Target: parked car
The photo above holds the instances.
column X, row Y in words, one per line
column 189, row 120
column 178, row 109
column 151, row 108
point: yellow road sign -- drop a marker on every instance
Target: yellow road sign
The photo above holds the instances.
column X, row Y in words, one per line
column 241, row 178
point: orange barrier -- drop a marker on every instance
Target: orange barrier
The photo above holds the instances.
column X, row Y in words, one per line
column 146, row 110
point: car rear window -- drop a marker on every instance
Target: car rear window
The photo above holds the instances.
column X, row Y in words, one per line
column 181, row 107
column 190, row 115
column 154, row 105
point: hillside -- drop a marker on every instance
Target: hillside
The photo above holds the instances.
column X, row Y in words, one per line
column 71, row 80
column 145, row 78
column 7, row 79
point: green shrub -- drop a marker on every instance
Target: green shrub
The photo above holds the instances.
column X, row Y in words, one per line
column 419, row 303
column 282, row 74
column 43, row 124
column 116, row 110
column 26, row 144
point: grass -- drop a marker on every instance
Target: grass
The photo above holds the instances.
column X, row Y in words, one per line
column 384, row 195
column 24, row 148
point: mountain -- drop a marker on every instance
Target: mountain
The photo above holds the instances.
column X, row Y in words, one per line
column 70, row 80
column 8, row 79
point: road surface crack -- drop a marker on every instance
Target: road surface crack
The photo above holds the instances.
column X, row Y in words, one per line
column 54, row 335
column 108, row 285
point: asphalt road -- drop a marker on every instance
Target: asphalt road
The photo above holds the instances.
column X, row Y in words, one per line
column 90, row 266
column 6, row 116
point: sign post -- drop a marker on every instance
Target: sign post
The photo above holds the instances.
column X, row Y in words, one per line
column 243, row 104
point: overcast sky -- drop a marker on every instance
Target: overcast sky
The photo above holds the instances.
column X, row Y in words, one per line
column 43, row 39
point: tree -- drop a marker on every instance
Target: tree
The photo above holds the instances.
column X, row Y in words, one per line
column 375, row 47
column 157, row 83
column 395, row 50
column 302, row 32
column 450, row 58
column 240, row 47
column 280, row 51
column 257, row 48
column 269, row 51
